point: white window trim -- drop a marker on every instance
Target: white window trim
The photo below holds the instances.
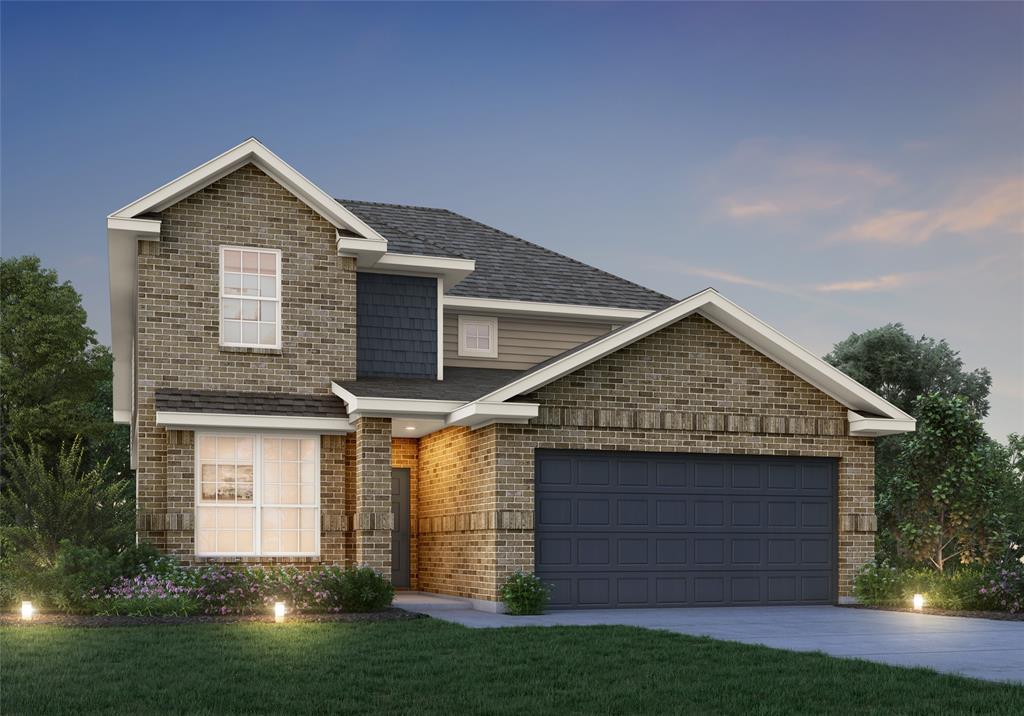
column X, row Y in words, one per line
column 257, row 492
column 221, row 296
column 467, row 352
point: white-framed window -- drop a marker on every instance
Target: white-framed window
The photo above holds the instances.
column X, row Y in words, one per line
column 478, row 337
column 257, row 494
column 250, row 297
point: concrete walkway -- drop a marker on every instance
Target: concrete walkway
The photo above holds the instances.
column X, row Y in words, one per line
column 980, row 648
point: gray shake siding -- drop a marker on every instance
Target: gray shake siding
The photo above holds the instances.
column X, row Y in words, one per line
column 396, row 326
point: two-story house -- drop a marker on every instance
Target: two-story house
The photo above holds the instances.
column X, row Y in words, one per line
column 318, row 380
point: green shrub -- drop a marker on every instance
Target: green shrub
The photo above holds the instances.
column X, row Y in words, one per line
column 524, row 594
column 76, row 574
column 355, row 589
column 179, row 605
column 878, row 584
column 960, row 589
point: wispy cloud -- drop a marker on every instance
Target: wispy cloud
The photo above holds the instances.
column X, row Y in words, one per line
column 763, row 180
column 737, row 279
column 997, row 207
column 881, row 283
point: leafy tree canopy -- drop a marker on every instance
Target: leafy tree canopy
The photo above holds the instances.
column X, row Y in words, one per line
column 54, row 377
column 899, row 367
column 946, row 497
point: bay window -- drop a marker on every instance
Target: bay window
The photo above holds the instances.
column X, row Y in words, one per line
column 257, row 494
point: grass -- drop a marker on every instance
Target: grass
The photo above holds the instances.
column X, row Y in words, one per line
column 431, row 667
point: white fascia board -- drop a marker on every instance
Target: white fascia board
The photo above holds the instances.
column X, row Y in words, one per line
column 478, row 413
column 143, row 229
column 366, row 252
column 553, row 310
column 861, row 425
column 179, row 420
column 452, row 270
column 730, row 317
column 358, row 406
column 251, row 150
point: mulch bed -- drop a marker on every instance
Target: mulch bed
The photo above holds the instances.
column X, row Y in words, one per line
column 998, row 616
column 92, row 620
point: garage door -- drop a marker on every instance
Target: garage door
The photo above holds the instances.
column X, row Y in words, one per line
column 621, row 529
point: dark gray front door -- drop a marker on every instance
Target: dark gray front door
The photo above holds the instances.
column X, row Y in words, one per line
column 400, row 533
column 621, row 529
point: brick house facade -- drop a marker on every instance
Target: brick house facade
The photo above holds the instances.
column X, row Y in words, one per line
column 677, row 381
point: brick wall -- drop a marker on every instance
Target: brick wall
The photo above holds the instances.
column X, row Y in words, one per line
column 691, row 387
column 177, row 341
column 457, row 500
column 373, row 519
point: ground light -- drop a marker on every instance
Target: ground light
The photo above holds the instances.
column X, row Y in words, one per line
column 918, row 602
column 278, row 612
column 27, row 611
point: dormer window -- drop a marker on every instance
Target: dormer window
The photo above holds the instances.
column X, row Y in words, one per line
column 250, row 297
column 478, row 337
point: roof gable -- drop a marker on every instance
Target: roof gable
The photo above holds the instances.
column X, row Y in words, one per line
column 251, row 151
column 734, row 320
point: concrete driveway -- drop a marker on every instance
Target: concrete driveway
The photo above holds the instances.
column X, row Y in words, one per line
column 980, row 648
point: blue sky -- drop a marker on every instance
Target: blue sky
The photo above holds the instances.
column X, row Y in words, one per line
column 829, row 167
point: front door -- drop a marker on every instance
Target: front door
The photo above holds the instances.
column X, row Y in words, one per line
column 400, row 532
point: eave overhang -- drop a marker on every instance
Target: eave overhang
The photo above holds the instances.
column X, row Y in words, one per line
column 189, row 420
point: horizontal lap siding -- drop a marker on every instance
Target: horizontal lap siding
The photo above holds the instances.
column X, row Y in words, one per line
column 522, row 343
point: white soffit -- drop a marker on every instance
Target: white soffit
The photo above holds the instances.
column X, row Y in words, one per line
column 393, row 407
column 733, row 319
column 450, row 270
column 173, row 419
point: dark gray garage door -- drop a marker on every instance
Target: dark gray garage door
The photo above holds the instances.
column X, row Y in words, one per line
column 620, row 529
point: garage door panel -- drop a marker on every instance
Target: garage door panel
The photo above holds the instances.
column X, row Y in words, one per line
column 732, row 529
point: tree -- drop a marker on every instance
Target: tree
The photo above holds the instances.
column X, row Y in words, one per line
column 945, row 495
column 900, row 368
column 42, row 504
column 54, row 377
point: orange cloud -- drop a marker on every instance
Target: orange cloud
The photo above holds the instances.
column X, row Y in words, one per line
column 882, row 283
column 999, row 207
column 761, row 180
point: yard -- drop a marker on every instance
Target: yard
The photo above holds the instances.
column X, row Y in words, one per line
column 426, row 667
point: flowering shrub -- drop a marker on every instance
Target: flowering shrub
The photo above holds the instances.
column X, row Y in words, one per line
column 1005, row 587
column 146, row 595
column 524, row 594
column 969, row 587
column 169, row 588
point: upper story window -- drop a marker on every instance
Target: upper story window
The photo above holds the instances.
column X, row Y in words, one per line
column 478, row 337
column 250, row 297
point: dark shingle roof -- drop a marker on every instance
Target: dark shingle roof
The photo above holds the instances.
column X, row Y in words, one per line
column 217, row 401
column 507, row 267
column 458, row 384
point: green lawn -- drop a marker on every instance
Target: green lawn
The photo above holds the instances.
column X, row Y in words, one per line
column 431, row 667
